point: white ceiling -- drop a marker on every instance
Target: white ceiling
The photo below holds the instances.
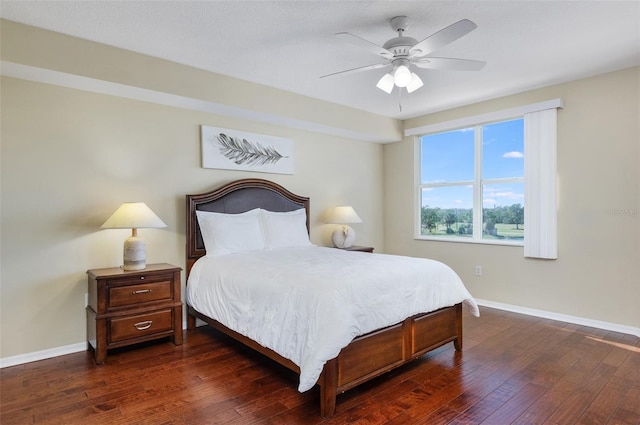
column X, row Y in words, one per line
column 290, row 44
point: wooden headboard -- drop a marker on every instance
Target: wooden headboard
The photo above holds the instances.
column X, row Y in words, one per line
column 233, row 198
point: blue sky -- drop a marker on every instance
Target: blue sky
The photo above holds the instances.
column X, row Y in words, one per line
column 503, row 157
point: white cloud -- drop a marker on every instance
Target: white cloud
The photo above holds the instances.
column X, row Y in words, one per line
column 514, row 154
column 430, row 200
column 508, row 195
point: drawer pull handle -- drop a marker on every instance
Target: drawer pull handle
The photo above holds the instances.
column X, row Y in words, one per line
column 141, row 291
column 141, row 326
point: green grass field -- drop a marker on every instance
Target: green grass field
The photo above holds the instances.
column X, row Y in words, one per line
column 504, row 231
column 508, row 231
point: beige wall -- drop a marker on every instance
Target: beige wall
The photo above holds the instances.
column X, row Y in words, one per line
column 69, row 158
column 596, row 275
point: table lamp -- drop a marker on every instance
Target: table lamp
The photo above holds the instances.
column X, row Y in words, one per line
column 343, row 236
column 133, row 215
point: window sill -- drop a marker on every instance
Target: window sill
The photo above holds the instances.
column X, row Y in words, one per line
column 470, row 241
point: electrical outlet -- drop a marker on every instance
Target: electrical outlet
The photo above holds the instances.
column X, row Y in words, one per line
column 478, row 270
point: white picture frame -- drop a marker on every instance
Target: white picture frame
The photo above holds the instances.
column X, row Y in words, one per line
column 229, row 149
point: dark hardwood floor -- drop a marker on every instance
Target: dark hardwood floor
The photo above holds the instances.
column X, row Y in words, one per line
column 514, row 369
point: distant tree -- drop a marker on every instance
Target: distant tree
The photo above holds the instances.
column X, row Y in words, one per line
column 429, row 218
column 465, row 215
column 449, row 218
column 465, row 229
column 515, row 215
column 492, row 214
column 490, row 228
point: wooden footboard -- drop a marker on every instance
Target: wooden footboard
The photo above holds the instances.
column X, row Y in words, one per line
column 378, row 352
column 370, row 355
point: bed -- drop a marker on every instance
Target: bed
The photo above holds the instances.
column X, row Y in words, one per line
column 360, row 351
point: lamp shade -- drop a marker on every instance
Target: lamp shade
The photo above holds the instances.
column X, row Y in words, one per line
column 133, row 215
column 343, row 215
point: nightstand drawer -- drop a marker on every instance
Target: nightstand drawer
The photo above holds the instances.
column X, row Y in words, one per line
column 130, row 327
column 139, row 293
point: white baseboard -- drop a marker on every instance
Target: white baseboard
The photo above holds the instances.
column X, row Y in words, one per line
column 82, row 346
column 58, row 351
column 41, row 355
column 561, row 317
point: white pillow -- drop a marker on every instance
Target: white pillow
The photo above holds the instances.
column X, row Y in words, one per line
column 229, row 233
column 285, row 229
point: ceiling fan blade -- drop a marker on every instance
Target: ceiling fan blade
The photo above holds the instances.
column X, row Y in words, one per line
column 449, row 64
column 442, row 38
column 362, row 68
column 366, row 44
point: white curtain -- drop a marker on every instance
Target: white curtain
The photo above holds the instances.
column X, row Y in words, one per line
column 540, row 178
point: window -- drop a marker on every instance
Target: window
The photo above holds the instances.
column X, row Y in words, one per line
column 447, row 183
column 472, row 183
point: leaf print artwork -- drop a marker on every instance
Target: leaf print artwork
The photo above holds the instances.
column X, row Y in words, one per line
column 238, row 150
column 242, row 151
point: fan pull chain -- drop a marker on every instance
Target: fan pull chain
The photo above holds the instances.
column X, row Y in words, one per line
column 400, row 98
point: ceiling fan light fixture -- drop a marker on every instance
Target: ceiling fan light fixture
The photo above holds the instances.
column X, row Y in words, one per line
column 415, row 83
column 403, row 53
column 402, row 76
column 386, row 83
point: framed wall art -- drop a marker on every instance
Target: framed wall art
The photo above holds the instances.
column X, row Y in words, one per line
column 228, row 149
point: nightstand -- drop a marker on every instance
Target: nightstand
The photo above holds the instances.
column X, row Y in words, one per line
column 128, row 307
column 358, row 248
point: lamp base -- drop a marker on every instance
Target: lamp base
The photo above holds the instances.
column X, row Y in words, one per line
column 134, row 254
column 343, row 236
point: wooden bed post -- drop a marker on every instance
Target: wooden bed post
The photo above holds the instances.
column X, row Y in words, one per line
column 191, row 321
column 457, row 343
column 328, row 384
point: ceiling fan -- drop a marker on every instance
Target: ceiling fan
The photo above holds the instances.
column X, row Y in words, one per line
column 402, row 53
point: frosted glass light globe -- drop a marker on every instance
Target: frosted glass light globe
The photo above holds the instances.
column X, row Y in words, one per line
column 402, row 76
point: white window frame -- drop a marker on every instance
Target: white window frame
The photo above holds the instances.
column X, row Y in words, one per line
column 473, row 121
column 477, row 183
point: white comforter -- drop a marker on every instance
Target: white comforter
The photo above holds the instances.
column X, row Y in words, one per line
column 308, row 303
